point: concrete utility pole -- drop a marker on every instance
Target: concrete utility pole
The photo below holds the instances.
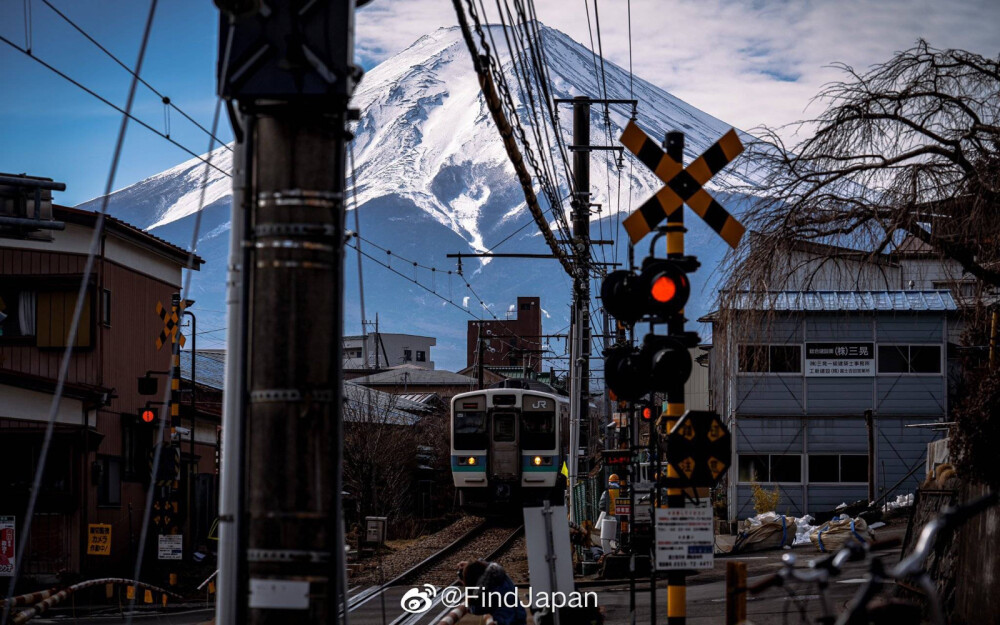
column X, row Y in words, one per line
column 580, row 353
column 281, row 543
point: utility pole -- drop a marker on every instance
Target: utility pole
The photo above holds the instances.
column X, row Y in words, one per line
column 289, row 73
column 580, row 364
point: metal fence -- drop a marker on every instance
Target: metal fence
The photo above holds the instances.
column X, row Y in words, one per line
column 586, row 495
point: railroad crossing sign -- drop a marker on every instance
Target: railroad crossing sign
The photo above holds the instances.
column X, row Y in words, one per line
column 171, row 325
column 699, row 448
column 682, row 185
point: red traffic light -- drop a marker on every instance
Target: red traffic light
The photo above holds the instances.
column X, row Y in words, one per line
column 668, row 287
column 647, row 413
column 147, row 415
column 663, row 290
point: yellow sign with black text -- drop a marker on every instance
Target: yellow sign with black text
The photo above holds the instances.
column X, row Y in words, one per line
column 98, row 539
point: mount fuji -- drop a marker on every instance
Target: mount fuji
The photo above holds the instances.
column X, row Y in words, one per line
column 432, row 178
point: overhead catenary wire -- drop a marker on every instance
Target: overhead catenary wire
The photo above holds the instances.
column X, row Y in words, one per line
column 167, row 102
column 126, row 112
column 75, row 319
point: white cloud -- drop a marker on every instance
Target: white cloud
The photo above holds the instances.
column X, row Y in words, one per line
column 465, row 302
column 748, row 62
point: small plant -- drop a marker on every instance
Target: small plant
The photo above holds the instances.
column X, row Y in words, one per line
column 764, row 500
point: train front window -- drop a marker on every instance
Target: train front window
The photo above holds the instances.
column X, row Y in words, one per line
column 470, row 430
column 504, row 427
column 538, row 430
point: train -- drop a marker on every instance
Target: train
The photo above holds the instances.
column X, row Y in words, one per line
column 508, row 446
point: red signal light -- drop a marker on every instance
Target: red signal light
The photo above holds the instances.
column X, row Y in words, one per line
column 663, row 290
column 647, row 413
column 148, row 416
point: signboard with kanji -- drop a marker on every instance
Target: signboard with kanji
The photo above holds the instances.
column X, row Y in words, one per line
column 840, row 359
column 699, row 448
column 7, row 537
column 170, row 547
column 98, row 539
column 684, row 538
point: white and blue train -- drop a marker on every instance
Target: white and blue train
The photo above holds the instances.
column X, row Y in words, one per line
column 507, row 448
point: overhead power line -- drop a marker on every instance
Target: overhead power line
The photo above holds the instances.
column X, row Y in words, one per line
column 166, row 101
column 127, row 113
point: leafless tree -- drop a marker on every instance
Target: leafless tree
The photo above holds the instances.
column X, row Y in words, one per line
column 380, row 444
column 909, row 148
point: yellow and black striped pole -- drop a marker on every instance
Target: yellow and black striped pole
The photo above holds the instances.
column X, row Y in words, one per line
column 676, row 580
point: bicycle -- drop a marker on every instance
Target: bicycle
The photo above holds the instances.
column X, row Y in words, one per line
column 862, row 609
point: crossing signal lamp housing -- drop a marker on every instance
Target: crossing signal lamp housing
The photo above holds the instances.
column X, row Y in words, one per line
column 669, row 361
column 648, row 412
column 147, row 415
column 658, row 292
column 626, row 373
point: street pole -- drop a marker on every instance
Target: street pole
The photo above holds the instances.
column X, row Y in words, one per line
column 581, row 291
column 676, row 580
column 290, row 71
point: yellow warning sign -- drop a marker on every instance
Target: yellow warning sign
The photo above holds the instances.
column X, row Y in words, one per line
column 98, row 539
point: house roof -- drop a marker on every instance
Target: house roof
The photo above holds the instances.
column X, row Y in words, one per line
column 382, row 408
column 409, row 375
column 128, row 231
column 209, row 369
column 809, row 301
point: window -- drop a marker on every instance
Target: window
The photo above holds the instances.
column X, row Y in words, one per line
column 407, row 355
column 770, row 467
column 770, row 358
column 109, row 488
column 17, row 313
column 538, row 430
column 909, row 359
column 54, row 316
column 504, row 427
column 137, row 441
column 421, row 356
column 470, row 430
column 106, row 307
column 838, row 468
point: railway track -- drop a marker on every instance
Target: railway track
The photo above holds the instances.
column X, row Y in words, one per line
column 381, row 603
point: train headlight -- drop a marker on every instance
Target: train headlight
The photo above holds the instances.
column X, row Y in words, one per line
column 472, row 461
column 538, row 461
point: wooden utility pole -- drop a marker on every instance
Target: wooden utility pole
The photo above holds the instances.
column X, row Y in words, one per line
column 289, row 73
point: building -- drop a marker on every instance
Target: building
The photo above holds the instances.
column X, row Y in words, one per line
column 407, row 379
column 386, row 350
column 98, row 461
column 516, row 342
column 798, row 376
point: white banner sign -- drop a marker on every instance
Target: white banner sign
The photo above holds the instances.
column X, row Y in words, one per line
column 840, row 359
column 170, row 547
column 684, row 538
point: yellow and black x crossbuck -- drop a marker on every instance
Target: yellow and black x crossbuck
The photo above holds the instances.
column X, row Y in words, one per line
column 683, row 185
column 171, row 325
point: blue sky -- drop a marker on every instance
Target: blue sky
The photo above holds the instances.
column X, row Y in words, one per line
column 747, row 62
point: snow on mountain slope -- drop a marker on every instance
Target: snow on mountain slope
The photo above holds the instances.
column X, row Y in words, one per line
column 433, row 176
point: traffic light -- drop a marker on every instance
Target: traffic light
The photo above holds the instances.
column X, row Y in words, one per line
column 658, row 292
column 648, row 412
column 626, row 373
column 148, row 385
column 669, row 361
column 147, row 415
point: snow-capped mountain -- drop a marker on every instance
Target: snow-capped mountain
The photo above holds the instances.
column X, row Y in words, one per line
column 433, row 178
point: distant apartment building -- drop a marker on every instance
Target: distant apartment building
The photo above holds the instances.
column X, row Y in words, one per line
column 512, row 342
column 98, row 458
column 384, row 350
